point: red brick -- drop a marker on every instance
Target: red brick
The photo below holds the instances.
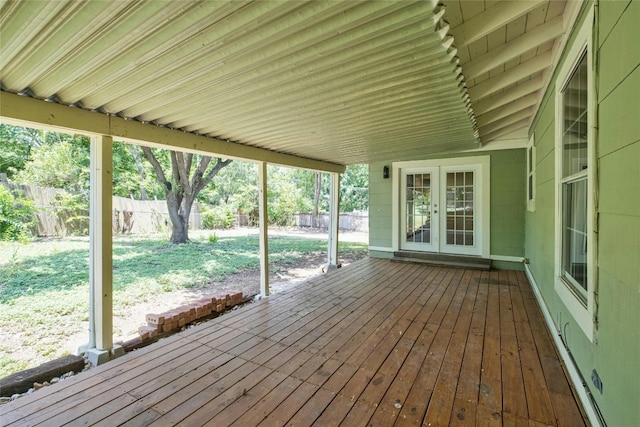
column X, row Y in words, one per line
column 168, row 327
column 171, row 316
column 182, row 322
column 203, row 311
column 233, row 298
column 220, row 308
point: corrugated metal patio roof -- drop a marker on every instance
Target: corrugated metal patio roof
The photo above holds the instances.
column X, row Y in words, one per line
column 338, row 81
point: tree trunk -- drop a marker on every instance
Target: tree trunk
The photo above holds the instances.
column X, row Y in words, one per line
column 133, row 150
column 179, row 213
column 183, row 191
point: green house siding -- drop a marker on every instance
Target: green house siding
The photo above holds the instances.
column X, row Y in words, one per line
column 508, row 204
column 380, row 214
column 616, row 347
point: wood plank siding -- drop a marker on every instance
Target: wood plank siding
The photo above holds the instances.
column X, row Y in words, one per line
column 376, row 343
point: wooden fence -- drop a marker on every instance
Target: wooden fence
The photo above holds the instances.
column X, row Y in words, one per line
column 129, row 216
column 141, row 216
column 147, row 216
column 353, row 221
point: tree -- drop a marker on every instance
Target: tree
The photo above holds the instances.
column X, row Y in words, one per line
column 354, row 189
column 185, row 186
column 15, row 149
column 133, row 176
column 60, row 164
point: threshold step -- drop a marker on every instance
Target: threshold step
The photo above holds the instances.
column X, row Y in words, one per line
column 443, row 260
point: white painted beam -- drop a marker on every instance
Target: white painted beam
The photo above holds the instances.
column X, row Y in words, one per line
column 499, row 133
column 100, row 246
column 264, row 227
column 334, row 220
column 520, row 104
column 491, row 19
column 33, row 112
column 502, row 80
column 510, row 95
column 506, row 121
column 514, row 48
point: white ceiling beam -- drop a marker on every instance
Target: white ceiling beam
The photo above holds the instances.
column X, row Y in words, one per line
column 508, row 96
column 27, row 111
column 491, row 19
column 507, row 110
column 506, row 121
column 492, row 136
column 514, row 48
column 511, row 76
column 505, row 143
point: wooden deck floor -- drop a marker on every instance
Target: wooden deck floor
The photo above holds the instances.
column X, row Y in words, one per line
column 376, row 343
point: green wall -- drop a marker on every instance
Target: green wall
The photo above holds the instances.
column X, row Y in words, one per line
column 379, row 209
column 616, row 350
column 508, row 205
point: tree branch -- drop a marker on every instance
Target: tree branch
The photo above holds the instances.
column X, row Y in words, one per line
column 156, row 166
column 188, row 164
column 213, row 172
column 196, row 181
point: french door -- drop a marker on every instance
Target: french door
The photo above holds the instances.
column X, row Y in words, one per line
column 440, row 209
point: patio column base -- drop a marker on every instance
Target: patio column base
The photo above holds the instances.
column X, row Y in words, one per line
column 97, row 357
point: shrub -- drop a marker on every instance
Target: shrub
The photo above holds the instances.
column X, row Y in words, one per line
column 16, row 217
column 73, row 211
column 218, row 217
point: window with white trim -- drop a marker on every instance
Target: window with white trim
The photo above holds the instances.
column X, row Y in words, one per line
column 575, row 179
column 575, row 160
column 531, row 175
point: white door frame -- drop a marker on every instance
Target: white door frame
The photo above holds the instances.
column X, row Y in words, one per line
column 482, row 197
column 433, row 245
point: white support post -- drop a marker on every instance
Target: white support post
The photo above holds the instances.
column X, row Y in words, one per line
column 334, row 222
column 100, row 250
column 264, row 226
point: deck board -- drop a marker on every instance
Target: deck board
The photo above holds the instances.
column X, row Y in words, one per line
column 377, row 343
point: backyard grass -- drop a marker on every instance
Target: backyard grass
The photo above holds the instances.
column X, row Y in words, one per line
column 44, row 288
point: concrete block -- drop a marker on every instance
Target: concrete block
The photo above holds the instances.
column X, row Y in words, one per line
column 117, row 351
column 97, row 357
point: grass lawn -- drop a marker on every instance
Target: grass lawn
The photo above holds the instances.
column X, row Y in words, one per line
column 44, row 288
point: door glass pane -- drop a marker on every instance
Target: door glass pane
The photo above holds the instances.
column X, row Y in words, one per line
column 574, row 257
column 418, row 208
column 460, row 223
